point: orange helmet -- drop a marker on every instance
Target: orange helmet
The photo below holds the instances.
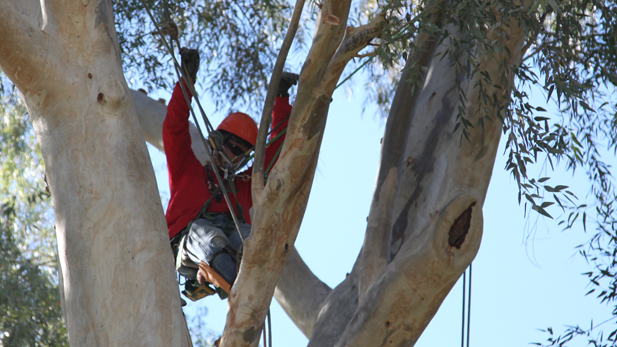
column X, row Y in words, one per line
column 241, row 125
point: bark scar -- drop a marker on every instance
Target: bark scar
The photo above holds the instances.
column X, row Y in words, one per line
column 460, row 228
column 251, row 335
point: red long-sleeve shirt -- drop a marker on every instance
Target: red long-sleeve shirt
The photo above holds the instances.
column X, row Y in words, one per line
column 188, row 180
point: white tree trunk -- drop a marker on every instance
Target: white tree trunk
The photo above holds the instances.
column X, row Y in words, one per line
column 118, row 281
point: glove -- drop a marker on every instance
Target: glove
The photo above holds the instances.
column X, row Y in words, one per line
column 190, row 62
column 288, row 79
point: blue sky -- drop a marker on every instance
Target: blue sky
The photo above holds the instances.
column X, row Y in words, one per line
column 526, row 276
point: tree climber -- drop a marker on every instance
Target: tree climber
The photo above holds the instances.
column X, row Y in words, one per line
column 201, row 229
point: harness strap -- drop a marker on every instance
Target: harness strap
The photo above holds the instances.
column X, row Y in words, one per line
column 177, row 242
column 239, row 208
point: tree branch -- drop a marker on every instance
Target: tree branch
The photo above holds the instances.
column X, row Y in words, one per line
column 326, row 40
column 280, row 207
column 403, row 299
column 438, row 212
column 151, row 114
column 22, row 56
column 266, row 116
column 301, row 293
column 354, row 41
column 376, row 247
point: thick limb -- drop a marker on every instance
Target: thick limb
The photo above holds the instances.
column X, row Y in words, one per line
column 301, row 293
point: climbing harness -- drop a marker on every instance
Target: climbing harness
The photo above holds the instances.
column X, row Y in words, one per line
column 182, row 75
column 193, row 289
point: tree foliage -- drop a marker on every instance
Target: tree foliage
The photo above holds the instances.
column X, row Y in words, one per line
column 29, row 295
column 238, row 42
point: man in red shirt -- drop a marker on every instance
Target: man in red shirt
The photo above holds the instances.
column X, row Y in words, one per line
column 200, row 225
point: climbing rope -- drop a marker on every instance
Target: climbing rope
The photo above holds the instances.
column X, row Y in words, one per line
column 466, row 307
column 269, row 329
column 183, row 76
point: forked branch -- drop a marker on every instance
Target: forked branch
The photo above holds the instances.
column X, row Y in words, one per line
column 21, row 57
column 266, row 116
column 280, row 206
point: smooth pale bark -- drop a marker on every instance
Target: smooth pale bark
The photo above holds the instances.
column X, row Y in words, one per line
column 151, row 115
column 301, row 294
column 117, row 279
column 438, row 213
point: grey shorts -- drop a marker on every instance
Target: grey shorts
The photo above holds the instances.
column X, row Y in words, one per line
column 207, row 241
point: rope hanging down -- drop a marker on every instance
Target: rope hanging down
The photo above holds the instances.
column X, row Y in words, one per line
column 466, row 300
column 183, row 76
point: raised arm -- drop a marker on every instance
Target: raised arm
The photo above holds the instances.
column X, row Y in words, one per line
column 280, row 118
column 176, row 136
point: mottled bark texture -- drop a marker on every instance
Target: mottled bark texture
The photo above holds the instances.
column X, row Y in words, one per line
column 117, row 280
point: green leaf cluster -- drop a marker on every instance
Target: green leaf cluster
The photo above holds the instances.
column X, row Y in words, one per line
column 29, row 295
column 238, row 41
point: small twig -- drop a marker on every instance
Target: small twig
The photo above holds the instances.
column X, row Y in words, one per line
column 372, row 54
column 535, row 38
column 266, row 116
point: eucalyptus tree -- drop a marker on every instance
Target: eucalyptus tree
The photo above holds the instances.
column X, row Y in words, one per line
column 455, row 73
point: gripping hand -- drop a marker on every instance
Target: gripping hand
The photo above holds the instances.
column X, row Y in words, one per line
column 190, row 62
column 288, row 79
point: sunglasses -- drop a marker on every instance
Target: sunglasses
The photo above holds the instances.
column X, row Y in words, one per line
column 235, row 149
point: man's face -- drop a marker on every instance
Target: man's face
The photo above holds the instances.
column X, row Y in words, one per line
column 235, row 150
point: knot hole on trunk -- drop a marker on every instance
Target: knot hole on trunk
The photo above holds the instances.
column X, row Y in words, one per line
column 460, row 228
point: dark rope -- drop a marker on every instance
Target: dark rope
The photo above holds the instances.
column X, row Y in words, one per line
column 178, row 67
column 469, row 306
column 463, row 311
column 269, row 329
column 465, row 325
